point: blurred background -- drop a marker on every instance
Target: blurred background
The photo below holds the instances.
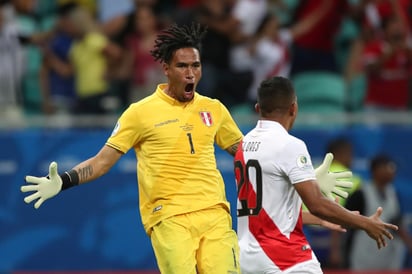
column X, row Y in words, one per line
column 68, row 68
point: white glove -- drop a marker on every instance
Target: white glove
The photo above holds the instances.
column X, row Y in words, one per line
column 328, row 181
column 45, row 187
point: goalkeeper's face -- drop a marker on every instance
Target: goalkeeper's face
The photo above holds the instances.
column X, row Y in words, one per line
column 183, row 72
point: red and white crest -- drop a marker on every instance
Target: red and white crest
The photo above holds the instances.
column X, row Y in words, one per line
column 206, row 118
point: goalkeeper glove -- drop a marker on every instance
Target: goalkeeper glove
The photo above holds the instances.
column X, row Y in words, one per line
column 329, row 181
column 44, row 187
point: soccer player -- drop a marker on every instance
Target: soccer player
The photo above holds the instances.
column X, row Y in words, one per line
column 274, row 174
column 181, row 192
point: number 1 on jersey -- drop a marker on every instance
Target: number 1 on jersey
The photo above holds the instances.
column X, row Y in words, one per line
column 192, row 148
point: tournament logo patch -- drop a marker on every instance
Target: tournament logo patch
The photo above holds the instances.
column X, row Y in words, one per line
column 302, row 161
column 206, row 118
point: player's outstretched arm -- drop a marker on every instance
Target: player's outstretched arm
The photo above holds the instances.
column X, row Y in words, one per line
column 44, row 188
column 329, row 182
column 330, row 211
column 378, row 230
column 310, row 219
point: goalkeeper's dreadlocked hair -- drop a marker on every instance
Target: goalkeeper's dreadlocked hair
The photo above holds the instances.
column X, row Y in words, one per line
column 176, row 37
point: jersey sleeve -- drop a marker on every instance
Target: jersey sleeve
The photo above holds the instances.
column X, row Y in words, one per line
column 228, row 132
column 127, row 131
column 297, row 163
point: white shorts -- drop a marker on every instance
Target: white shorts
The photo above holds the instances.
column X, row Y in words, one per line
column 259, row 263
column 308, row 267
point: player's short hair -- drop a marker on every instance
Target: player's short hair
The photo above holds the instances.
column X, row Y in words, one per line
column 176, row 37
column 275, row 95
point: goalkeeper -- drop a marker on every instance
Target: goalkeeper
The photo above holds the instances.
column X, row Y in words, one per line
column 274, row 174
column 173, row 131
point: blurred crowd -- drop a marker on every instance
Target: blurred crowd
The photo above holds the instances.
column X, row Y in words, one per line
column 93, row 56
column 352, row 250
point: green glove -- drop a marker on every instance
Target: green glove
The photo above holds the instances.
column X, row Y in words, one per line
column 44, row 187
column 329, row 181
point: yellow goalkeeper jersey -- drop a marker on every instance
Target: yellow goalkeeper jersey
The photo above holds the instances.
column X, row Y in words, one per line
column 174, row 146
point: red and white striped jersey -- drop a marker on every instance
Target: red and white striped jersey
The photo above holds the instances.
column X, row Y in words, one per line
column 267, row 165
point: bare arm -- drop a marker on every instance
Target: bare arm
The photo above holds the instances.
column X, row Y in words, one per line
column 233, row 148
column 114, row 25
column 63, row 68
column 98, row 165
column 112, row 51
column 353, row 67
column 309, row 22
column 310, row 219
column 397, row 8
column 328, row 210
column 44, row 188
column 45, row 89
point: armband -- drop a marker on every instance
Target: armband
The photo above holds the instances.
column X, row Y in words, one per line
column 69, row 179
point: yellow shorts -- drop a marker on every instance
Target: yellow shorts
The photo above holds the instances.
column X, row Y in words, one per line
column 197, row 242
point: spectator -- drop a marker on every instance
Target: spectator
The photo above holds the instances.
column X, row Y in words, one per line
column 376, row 11
column 315, row 49
column 259, row 53
column 57, row 81
column 342, row 149
column 379, row 192
column 388, row 63
column 90, row 55
column 146, row 72
column 223, row 30
column 27, row 26
column 249, row 14
column 267, row 52
column 374, row 14
column 352, row 67
column 115, row 20
column 11, row 68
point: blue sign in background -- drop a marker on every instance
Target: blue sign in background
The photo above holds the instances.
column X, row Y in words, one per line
column 97, row 226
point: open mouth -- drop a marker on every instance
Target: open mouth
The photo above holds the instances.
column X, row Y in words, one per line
column 189, row 88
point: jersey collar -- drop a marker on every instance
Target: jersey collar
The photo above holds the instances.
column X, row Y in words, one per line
column 269, row 124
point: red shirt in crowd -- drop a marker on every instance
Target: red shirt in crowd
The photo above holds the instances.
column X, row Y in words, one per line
column 389, row 86
column 322, row 35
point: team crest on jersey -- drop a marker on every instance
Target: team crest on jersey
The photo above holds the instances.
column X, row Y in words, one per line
column 206, row 118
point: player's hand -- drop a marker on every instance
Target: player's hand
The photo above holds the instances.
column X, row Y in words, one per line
column 378, row 230
column 329, row 182
column 43, row 187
